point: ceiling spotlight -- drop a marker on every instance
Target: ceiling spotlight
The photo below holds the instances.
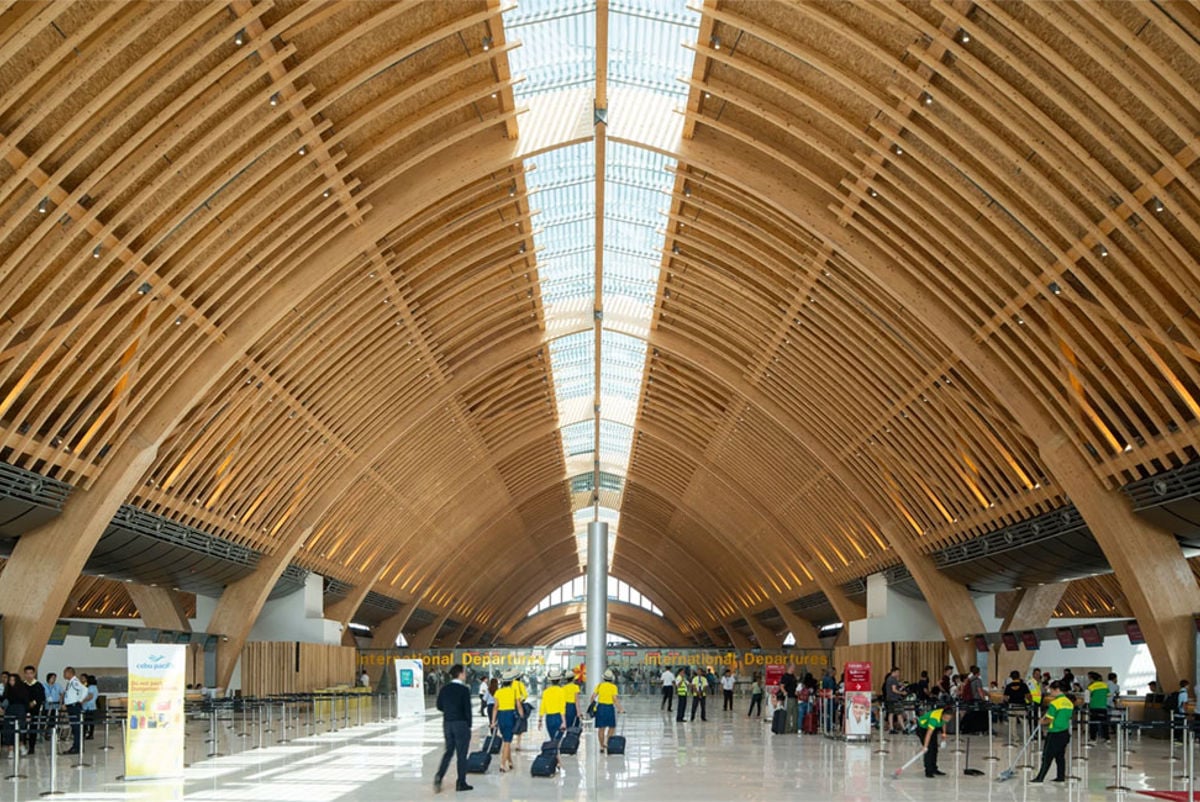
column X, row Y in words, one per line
column 145, row 288
column 179, row 320
column 687, row 192
column 303, row 150
column 325, row 194
column 899, row 151
column 707, row 96
column 96, row 252
column 274, row 101
column 1102, row 251
column 927, row 98
column 1156, row 204
column 1055, row 288
column 512, row 191
column 674, row 249
column 487, row 43
column 240, row 39
column 43, row 205
column 716, row 43
column 871, row 191
column 963, row 36
column 522, row 248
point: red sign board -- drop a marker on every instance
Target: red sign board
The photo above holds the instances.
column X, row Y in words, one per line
column 1030, row 640
column 858, row 676
column 1010, row 641
column 1066, row 637
column 1134, row 632
column 772, row 676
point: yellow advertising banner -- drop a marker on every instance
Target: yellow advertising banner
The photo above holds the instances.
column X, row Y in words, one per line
column 154, row 732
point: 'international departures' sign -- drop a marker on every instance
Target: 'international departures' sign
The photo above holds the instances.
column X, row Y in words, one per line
column 623, row 658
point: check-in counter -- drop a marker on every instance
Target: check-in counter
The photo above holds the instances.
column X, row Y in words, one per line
column 342, row 701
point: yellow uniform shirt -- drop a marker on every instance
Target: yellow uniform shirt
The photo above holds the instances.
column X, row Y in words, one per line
column 553, row 701
column 519, row 688
column 506, row 698
column 570, row 693
column 606, row 692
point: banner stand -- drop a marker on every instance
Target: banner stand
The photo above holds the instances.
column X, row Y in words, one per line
column 410, row 688
column 154, row 731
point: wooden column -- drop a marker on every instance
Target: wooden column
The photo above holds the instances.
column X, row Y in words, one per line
column 736, row 638
column 802, row 630
column 423, row 638
column 765, row 637
column 1032, row 608
column 159, row 608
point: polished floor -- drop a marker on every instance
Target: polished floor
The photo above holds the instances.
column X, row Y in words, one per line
column 729, row 757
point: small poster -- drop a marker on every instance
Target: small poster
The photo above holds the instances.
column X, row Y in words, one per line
column 772, row 677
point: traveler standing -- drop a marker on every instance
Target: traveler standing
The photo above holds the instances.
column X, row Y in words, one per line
column 788, row 684
column 53, row 692
column 37, row 706
column 667, row 679
column 756, row 695
column 16, row 695
column 700, row 695
column 454, row 700
column 727, row 682
column 89, row 706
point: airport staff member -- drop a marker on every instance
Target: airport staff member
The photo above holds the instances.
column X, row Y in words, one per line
column 607, row 705
column 682, row 684
column 504, row 716
column 454, row 700
column 553, row 705
column 1097, row 691
column 927, row 730
column 571, row 700
column 1058, row 733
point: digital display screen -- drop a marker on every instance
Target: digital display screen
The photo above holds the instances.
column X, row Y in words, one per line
column 102, row 637
column 1066, row 637
column 406, row 678
column 1010, row 642
column 981, row 644
column 1091, row 636
column 59, row 634
column 1030, row 641
column 1134, row 632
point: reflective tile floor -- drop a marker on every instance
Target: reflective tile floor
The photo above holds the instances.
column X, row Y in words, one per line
column 730, row 757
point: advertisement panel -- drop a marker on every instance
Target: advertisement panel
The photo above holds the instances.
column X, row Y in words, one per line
column 858, row 701
column 154, row 735
column 772, row 677
column 410, row 688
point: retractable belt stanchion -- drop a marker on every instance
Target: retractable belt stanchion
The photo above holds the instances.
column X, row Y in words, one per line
column 991, row 755
column 107, row 721
column 346, row 698
column 958, row 720
column 1118, row 783
column 1186, row 756
column 1081, row 719
column 53, row 763
column 283, row 725
column 16, row 753
column 883, row 716
column 1191, row 775
column 1026, row 735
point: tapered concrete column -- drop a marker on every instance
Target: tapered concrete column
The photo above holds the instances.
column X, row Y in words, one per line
column 597, row 601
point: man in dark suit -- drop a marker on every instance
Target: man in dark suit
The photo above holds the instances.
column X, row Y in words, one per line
column 454, row 700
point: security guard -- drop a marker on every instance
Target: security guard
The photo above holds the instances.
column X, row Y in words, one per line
column 927, row 726
column 553, row 705
column 1035, row 688
column 682, row 684
column 1058, row 733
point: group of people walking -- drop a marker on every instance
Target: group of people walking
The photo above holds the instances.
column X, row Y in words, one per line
column 32, row 707
column 504, row 703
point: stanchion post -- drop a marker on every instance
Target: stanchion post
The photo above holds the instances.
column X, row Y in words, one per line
column 16, row 775
column 53, row 763
column 991, row 741
column 107, row 721
column 882, row 750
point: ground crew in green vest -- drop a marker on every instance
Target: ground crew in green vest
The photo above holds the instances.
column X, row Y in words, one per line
column 1097, row 691
column 1058, row 733
column 682, row 683
column 928, row 726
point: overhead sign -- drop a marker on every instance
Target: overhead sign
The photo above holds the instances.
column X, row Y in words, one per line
column 154, row 737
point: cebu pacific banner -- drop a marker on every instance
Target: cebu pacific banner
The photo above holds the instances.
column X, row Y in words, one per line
column 154, row 731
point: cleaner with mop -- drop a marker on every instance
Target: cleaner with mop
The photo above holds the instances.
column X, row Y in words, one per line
column 1058, row 714
column 927, row 726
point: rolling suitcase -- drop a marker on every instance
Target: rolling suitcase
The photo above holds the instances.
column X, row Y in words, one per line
column 778, row 721
column 493, row 743
column 478, row 762
column 546, row 764
column 616, row 745
column 810, row 723
column 569, row 745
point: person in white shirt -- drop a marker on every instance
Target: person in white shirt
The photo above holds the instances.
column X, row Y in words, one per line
column 73, row 696
column 668, row 689
column 727, row 680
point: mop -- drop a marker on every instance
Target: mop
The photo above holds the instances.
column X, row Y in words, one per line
column 911, row 761
column 1008, row 772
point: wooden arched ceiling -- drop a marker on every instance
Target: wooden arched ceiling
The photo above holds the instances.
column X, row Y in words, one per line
column 167, row 168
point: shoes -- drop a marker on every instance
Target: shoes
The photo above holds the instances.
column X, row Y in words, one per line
column 437, row 784
column 1037, row 780
column 939, row 773
column 930, row 774
column 464, row 787
column 1059, row 779
column 70, row 752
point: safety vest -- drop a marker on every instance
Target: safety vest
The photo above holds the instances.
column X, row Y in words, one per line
column 682, row 688
column 1035, row 690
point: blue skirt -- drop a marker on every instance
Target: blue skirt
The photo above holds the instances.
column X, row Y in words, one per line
column 554, row 722
column 606, row 716
column 572, row 715
column 505, row 720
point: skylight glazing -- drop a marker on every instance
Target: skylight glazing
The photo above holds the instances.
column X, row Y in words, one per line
column 558, row 61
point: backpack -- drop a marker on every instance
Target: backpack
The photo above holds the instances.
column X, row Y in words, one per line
column 968, row 695
column 1172, row 701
